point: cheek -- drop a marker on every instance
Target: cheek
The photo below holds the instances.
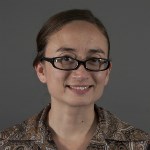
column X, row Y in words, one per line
column 101, row 78
column 101, row 81
column 55, row 79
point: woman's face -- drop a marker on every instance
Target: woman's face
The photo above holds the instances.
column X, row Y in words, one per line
column 80, row 40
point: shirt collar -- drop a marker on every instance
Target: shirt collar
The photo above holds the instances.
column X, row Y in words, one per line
column 109, row 128
column 98, row 137
column 43, row 131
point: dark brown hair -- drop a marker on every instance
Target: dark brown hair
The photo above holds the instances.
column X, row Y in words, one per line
column 56, row 22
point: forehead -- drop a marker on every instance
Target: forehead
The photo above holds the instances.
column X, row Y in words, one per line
column 79, row 35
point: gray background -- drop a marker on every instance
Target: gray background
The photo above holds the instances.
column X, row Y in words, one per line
column 128, row 24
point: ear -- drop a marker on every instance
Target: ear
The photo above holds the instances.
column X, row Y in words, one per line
column 40, row 71
column 108, row 74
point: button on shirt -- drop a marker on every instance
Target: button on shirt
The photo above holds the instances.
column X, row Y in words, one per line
column 111, row 134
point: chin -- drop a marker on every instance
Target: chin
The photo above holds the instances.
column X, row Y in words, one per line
column 79, row 102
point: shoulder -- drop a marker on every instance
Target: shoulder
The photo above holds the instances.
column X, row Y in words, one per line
column 26, row 135
column 18, row 130
column 118, row 130
column 26, row 130
column 20, row 136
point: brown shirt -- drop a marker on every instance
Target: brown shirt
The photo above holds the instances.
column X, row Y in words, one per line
column 111, row 134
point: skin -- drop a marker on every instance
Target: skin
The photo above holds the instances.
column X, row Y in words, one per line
column 81, row 40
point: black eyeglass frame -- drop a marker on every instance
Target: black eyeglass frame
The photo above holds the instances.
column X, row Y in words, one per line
column 79, row 63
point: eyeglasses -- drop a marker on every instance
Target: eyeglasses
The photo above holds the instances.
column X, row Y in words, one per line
column 68, row 63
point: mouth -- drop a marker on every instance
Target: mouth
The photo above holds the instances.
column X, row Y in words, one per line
column 80, row 89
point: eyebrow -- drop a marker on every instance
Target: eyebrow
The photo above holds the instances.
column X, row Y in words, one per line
column 65, row 49
column 96, row 51
column 92, row 51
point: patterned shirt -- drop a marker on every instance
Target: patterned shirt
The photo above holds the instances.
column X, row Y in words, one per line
column 111, row 134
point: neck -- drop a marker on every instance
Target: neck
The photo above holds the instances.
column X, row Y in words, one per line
column 70, row 122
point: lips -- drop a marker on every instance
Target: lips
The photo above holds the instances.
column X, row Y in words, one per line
column 79, row 89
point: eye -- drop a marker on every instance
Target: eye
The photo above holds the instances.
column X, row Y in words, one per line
column 64, row 60
column 94, row 60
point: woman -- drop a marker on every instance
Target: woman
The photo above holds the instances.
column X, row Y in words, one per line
column 73, row 61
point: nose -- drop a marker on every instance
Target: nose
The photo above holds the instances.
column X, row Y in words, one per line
column 80, row 74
